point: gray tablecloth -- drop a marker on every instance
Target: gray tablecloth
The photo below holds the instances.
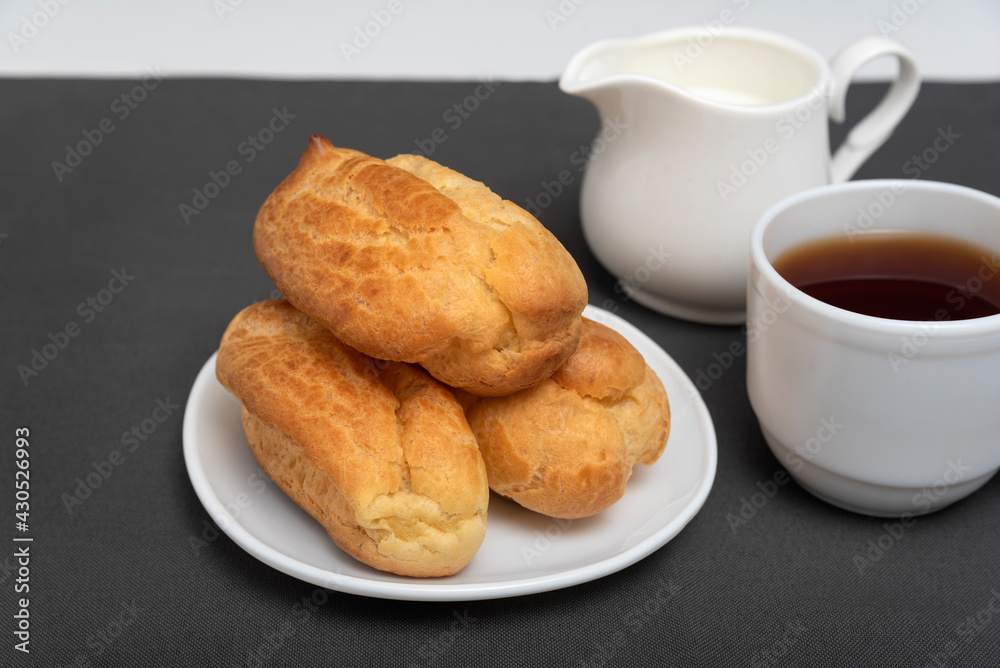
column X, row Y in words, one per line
column 121, row 266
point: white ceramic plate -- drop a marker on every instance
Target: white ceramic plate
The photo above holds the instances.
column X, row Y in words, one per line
column 523, row 553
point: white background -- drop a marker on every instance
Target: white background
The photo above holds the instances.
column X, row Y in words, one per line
column 449, row 39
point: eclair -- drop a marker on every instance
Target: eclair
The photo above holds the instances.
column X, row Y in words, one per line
column 379, row 453
column 566, row 447
column 407, row 260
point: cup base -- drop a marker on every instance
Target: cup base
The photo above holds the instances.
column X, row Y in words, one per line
column 869, row 498
column 704, row 316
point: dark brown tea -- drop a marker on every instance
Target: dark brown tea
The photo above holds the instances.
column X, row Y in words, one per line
column 897, row 274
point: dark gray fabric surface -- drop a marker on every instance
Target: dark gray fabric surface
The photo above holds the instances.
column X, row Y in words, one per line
column 119, row 579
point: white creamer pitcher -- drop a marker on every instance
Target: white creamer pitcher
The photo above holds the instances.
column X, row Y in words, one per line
column 711, row 130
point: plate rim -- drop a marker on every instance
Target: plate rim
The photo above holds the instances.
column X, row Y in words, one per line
column 436, row 589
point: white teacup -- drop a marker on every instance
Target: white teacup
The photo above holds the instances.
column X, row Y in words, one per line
column 703, row 129
column 879, row 416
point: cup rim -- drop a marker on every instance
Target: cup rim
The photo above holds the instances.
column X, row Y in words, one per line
column 969, row 327
column 819, row 86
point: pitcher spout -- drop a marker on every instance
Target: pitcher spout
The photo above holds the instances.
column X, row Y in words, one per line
column 605, row 71
column 600, row 66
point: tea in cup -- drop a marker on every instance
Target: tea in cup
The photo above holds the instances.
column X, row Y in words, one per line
column 873, row 342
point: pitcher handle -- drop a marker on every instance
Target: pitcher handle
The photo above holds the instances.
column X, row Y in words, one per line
column 872, row 131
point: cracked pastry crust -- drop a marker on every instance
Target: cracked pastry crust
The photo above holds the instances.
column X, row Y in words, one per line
column 566, row 447
column 378, row 452
column 406, row 260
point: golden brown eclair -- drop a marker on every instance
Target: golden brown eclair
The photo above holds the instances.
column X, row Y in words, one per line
column 407, row 260
column 379, row 453
column 566, row 447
